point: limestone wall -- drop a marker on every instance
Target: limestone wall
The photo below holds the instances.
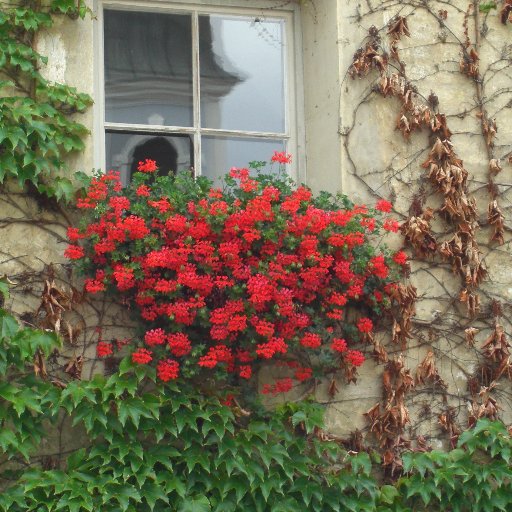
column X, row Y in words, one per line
column 378, row 161
column 352, row 145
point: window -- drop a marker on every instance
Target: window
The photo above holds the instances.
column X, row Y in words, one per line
column 202, row 88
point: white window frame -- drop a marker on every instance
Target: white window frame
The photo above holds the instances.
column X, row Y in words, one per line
column 294, row 135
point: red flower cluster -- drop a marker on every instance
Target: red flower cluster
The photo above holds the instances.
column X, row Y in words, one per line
column 104, row 349
column 167, row 370
column 354, row 357
column 400, row 258
column 147, row 166
column 281, row 157
column 279, row 386
column 226, row 279
column 365, row 325
column 383, row 206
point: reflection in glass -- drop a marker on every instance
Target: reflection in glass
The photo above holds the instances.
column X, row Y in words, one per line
column 219, row 154
column 148, row 68
column 125, row 150
column 249, row 93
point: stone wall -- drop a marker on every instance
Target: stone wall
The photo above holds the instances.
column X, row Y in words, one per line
column 353, row 146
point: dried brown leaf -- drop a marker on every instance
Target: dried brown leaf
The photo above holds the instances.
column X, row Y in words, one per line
column 74, row 367
column 506, row 12
column 398, row 28
column 495, row 165
column 470, row 333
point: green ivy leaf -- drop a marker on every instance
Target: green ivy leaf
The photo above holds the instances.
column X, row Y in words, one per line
column 152, row 493
column 201, row 504
column 8, row 325
column 388, row 493
column 487, row 6
column 132, row 408
column 7, row 439
column 76, row 459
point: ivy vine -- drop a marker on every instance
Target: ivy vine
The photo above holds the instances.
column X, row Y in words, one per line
column 37, row 130
column 148, row 447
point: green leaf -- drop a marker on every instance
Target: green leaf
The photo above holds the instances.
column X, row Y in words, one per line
column 4, row 289
column 8, row 325
column 152, row 492
column 487, row 6
column 76, row 459
column 388, row 493
column 173, row 484
column 361, row 461
column 200, row 504
column 7, row 439
column 123, row 494
column 64, row 189
column 8, row 391
column 126, row 365
column 132, row 408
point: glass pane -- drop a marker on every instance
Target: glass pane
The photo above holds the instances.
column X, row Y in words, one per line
column 242, row 73
column 148, row 68
column 125, row 150
column 219, row 154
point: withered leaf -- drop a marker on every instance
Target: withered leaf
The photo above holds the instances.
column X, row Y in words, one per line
column 398, row 28
column 332, row 390
column 506, row 12
column 497, row 220
column 470, row 333
column 40, row 365
column 74, row 367
column 426, row 371
column 495, row 165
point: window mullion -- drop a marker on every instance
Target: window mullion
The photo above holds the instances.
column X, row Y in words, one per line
column 196, row 92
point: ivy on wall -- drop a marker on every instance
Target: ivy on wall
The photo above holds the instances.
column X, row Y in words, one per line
column 148, row 447
column 36, row 130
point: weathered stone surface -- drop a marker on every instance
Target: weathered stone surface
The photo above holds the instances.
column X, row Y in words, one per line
column 352, row 146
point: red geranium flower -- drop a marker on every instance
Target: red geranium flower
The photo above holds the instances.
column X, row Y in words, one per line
column 384, row 206
column 74, row 252
column 281, row 157
column 400, row 258
column 147, row 166
column 167, row 370
column 365, row 325
column 354, row 357
column 142, row 356
column 104, row 349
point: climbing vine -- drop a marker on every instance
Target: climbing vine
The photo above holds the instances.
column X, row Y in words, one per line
column 37, row 129
column 149, row 447
column 144, row 443
column 443, row 220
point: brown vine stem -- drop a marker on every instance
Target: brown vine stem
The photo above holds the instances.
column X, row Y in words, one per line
column 488, row 127
column 478, row 79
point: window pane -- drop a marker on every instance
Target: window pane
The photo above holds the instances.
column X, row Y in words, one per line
column 242, row 73
column 148, row 68
column 219, row 154
column 126, row 150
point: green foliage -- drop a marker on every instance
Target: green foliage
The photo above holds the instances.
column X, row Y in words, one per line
column 169, row 448
column 150, row 447
column 475, row 476
column 26, row 402
column 36, row 131
column 486, row 7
